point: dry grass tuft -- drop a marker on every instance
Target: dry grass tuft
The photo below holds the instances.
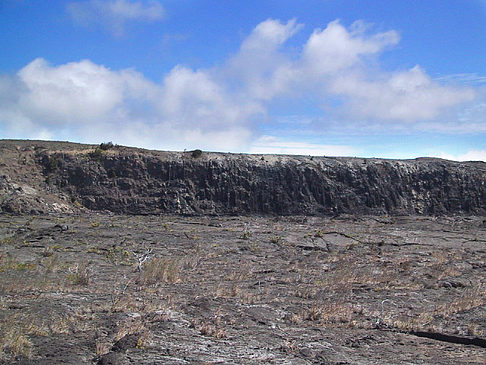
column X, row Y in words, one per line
column 14, row 341
column 289, row 347
column 341, row 314
column 166, row 270
column 210, row 330
column 470, row 299
column 79, row 274
column 102, row 347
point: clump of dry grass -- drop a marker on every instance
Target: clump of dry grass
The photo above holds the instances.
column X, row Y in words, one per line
column 79, row 274
column 210, row 330
column 166, row 270
column 422, row 322
column 16, row 331
column 239, row 273
column 470, row 299
column 474, row 330
column 289, row 347
column 47, row 251
column 15, row 342
column 8, row 263
column 135, row 326
column 246, row 297
column 305, row 292
column 428, row 320
column 102, row 346
column 226, row 291
column 331, row 313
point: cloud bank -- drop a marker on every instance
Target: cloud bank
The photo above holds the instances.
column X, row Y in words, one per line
column 472, row 155
column 221, row 108
column 114, row 14
column 273, row 145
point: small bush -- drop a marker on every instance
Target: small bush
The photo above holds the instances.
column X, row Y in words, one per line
column 14, row 265
column 106, row 146
column 196, row 153
column 77, row 204
column 50, row 263
column 52, row 164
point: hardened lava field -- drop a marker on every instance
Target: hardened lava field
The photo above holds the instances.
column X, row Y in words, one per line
column 114, row 289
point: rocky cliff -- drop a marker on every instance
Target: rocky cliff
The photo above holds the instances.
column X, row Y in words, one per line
column 52, row 176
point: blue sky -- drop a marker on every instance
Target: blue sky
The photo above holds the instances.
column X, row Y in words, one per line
column 392, row 79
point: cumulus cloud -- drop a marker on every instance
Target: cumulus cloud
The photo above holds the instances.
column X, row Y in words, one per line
column 220, row 108
column 335, row 68
column 89, row 102
column 260, row 69
column 335, row 48
column 114, row 13
column 194, row 97
column 80, row 91
column 405, row 96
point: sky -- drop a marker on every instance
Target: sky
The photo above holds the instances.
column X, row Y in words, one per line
column 367, row 78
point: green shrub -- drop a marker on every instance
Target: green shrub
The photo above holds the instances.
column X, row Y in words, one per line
column 196, row 153
column 52, row 164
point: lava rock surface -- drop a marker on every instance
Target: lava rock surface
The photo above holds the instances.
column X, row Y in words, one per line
column 53, row 177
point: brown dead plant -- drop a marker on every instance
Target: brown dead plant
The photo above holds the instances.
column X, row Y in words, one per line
column 160, row 270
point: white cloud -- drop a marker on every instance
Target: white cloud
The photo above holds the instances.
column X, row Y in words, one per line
column 88, row 102
column 259, row 68
column 268, row 35
column 405, row 96
column 470, row 79
column 336, row 65
column 115, row 13
column 195, row 95
column 218, row 108
column 274, row 145
column 78, row 91
column 472, row 155
column 335, row 48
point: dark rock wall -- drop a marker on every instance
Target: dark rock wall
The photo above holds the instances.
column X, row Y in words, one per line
column 164, row 182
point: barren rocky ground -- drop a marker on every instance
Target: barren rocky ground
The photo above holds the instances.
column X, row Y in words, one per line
column 242, row 290
column 127, row 256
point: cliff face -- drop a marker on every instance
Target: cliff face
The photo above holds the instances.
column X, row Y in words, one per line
column 134, row 181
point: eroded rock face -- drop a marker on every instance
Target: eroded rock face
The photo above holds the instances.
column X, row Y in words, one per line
column 134, row 181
